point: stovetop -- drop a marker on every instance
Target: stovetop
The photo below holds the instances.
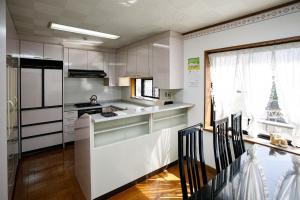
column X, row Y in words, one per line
column 82, row 105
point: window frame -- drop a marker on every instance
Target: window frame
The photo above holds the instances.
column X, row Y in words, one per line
column 143, row 88
column 207, row 81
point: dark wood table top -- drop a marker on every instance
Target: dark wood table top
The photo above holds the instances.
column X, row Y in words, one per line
column 260, row 173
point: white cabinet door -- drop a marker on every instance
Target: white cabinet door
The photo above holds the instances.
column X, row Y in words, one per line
column 66, row 62
column 31, row 88
column 150, row 59
column 105, row 63
column 121, row 65
column 142, row 61
column 78, row 59
column 161, row 64
column 53, row 52
column 31, row 50
column 53, row 87
column 95, row 60
column 112, row 70
column 131, row 62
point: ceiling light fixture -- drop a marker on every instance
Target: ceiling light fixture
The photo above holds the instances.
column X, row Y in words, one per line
column 160, row 45
column 82, row 31
column 82, row 42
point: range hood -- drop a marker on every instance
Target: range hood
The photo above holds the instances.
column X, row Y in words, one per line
column 79, row 73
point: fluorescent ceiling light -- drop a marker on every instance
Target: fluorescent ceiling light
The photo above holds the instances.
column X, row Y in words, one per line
column 82, row 31
column 83, row 42
column 161, row 45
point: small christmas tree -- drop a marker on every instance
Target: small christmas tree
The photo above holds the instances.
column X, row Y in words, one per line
column 273, row 110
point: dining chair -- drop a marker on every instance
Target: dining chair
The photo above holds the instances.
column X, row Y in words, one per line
column 237, row 134
column 191, row 159
column 221, row 144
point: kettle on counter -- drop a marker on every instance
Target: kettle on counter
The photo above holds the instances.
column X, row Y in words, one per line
column 93, row 100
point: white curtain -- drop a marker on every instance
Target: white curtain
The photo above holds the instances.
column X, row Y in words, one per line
column 256, row 76
column 287, row 71
column 223, row 76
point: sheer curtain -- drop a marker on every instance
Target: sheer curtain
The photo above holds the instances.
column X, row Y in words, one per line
column 287, row 72
column 223, row 76
column 256, row 76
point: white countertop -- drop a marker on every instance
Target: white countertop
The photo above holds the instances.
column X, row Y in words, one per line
column 139, row 110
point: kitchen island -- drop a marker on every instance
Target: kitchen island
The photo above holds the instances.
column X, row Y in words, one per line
column 115, row 151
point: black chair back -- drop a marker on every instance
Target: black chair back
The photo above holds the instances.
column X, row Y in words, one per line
column 192, row 138
column 221, row 144
column 237, row 134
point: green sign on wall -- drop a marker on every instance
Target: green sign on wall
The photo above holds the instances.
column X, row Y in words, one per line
column 193, row 64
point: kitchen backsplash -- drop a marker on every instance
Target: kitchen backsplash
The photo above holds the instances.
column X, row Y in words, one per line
column 77, row 90
column 165, row 95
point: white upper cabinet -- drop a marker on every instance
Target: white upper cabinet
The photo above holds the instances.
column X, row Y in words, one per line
column 78, row 59
column 161, row 63
column 110, row 69
column 168, row 62
column 132, row 62
column 150, row 60
column 121, row 65
column 66, row 62
column 53, row 52
column 142, row 61
column 95, row 60
column 31, row 50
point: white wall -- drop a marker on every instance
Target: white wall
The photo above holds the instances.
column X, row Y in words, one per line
column 276, row 28
column 3, row 144
column 78, row 90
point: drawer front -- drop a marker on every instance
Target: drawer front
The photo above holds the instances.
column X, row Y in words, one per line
column 69, row 137
column 41, row 115
column 71, row 114
column 41, row 142
column 41, row 129
column 69, row 129
column 69, row 121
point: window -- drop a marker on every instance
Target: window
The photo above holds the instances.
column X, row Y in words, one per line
column 263, row 82
column 144, row 88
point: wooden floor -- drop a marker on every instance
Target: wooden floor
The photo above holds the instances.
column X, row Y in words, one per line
column 50, row 176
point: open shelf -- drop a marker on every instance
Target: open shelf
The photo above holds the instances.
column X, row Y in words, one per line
column 118, row 130
column 169, row 119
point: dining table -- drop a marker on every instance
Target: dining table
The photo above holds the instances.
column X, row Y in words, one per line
column 260, row 173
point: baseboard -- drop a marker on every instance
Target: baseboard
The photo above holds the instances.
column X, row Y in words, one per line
column 133, row 183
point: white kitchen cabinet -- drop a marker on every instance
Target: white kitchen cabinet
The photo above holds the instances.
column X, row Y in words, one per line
column 31, row 88
column 31, row 50
column 142, row 61
column 132, row 62
column 53, row 84
column 41, row 142
column 121, row 65
column 168, row 62
column 150, row 60
column 78, row 59
column 95, row 60
column 69, row 123
column 41, row 115
column 53, row 52
column 110, row 69
column 66, row 62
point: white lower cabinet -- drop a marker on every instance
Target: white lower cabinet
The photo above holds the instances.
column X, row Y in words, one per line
column 41, row 142
column 69, row 123
column 111, row 154
column 41, row 115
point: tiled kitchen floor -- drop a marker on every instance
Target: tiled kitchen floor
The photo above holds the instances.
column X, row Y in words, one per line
column 50, row 176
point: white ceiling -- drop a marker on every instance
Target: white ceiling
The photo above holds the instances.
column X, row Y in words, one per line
column 133, row 20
